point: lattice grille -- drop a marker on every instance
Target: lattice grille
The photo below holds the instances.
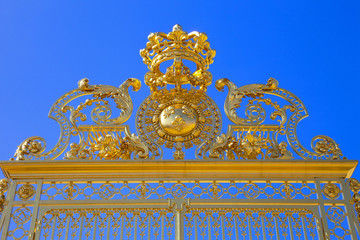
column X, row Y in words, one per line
column 108, row 224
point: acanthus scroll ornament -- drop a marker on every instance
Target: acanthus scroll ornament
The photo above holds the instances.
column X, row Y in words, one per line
column 290, row 113
column 34, row 147
column 179, row 118
column 120, row 96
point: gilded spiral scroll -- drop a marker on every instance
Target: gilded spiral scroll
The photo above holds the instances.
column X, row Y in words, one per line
column 290, row 115
column 179, row 118
column 34, row 147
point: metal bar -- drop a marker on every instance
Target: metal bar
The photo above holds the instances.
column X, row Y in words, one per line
column 290, row 228
column 2, row 221
column 236, row 228
column 178, row 225
column 304, row 228
column 67, row 226
column 135, row 226
column 149, row 226
column 95, row 226
column 222, row 226
column 35, row 209
column 54, row 226
column 122, row 226
column 325, row 233
column 349, row 208
column 108, row 228
column 263, row 226
column 310, row 179
column 249, row 225
column 8, row 209
column 356, row 225
column 81, row 225
column 196, row 227
column 209, row 226
column 181, row 227
column 162, row 226
column 277, row 226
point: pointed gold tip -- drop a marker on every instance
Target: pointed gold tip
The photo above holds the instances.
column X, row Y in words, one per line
column 177, row 27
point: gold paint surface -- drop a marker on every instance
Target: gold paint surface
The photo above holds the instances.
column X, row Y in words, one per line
column 178, row 119
column 175, row 169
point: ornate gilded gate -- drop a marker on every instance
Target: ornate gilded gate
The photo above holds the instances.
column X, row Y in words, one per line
column 256, row 181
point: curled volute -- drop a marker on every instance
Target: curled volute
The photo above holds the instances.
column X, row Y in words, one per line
column 120, row 96
column 288, row 115
column 236, row 95
column 101, row 114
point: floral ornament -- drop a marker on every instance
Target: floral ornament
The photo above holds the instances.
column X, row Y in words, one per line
column 115, row 147
column 253, row 144
column 30, row 146
column 26, row 191
column 178, row 123
column 325, row 146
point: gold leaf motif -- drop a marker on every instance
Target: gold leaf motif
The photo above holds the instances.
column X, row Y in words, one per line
column 168, row 111
column 188, row 112
column 178, row 123
column 115, row 147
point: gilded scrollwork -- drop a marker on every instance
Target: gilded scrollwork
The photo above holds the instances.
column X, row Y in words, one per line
column 290, row 115
column 179, row 118
column 250, row 144
column 115, row 147
column 31, row 146
column 110, row 145
column 120, row 96
column 34, row 147
column 323, row 145
column 77, row 152
column 284, row 153
column 236, row 95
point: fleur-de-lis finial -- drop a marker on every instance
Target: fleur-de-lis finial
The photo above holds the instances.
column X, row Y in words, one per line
column 177, row 27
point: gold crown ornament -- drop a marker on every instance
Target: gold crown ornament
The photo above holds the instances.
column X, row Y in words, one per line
column 176, row 117
column 178, row 45
column 182, row 119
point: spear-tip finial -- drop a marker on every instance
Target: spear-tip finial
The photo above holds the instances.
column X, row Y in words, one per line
column 177, row 27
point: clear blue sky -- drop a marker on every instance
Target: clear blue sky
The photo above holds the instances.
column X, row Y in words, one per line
column 311, row 47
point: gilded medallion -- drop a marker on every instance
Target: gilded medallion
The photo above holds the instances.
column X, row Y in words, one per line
column 179, row 119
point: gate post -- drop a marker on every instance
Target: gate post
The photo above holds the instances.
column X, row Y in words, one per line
column 179, row 206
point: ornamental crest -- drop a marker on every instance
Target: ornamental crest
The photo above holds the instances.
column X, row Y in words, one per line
column 178, row 116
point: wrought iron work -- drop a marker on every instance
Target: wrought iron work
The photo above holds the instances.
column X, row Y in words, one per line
column 254, row 209
column 256, row 181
